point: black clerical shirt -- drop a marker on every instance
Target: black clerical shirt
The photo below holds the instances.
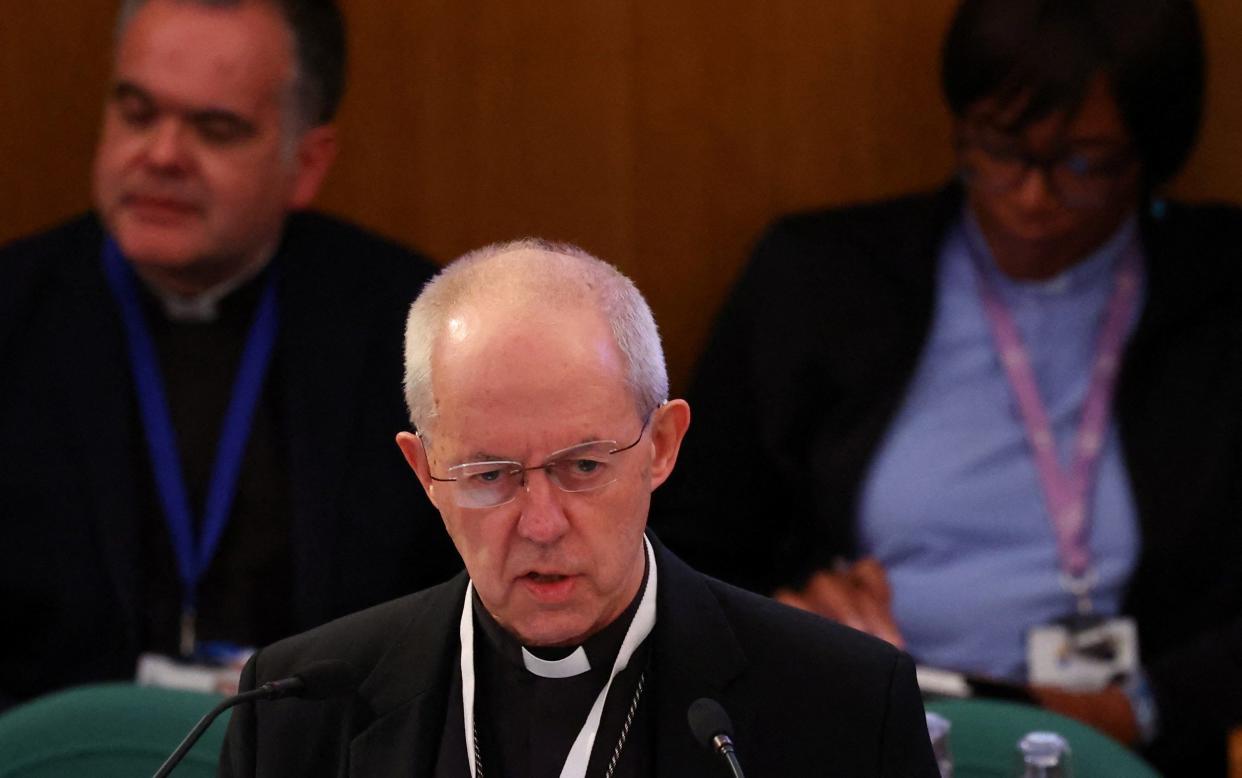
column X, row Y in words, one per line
column 244, row 595
column 527, row 723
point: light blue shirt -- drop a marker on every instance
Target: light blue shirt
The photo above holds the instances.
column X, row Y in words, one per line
column 952, row 505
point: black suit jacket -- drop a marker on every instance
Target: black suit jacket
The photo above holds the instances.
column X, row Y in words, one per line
column 361, row 530
column 807, row 697
column 811, row 358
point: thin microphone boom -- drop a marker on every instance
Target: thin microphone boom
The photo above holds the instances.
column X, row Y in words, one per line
column 172, row 761
column 711, row 726
column 320, row 680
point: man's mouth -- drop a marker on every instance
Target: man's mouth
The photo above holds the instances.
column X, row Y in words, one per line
column 550, row 589
column 545, row 577
column 159, row 206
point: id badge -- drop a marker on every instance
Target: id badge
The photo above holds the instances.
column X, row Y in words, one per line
column 200, row 675
column 1082, row 655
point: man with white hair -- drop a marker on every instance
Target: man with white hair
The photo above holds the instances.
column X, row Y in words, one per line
column 574, row 643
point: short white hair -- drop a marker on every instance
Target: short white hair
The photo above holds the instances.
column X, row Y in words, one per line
column 540, row 273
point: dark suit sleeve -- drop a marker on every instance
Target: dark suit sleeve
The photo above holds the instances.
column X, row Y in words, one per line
column 1180, row 419
column 740, row 503
column 905, row 750
column 237, row 755
column 801, row 376
column 1198, row 692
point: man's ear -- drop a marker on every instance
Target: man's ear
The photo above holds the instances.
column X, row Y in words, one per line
column 315, row 152
column 415, row 455
column 668, row 428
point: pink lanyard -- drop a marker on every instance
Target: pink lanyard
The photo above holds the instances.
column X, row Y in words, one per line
column 1066, row 491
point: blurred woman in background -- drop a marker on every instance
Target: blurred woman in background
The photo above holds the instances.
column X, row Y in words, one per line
column 999, row 424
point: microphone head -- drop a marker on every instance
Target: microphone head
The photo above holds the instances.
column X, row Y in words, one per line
column 326, row 678
column 707, row 720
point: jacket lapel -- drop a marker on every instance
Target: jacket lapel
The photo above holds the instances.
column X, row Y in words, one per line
column 912, row 254
column 100, row 418
column 405, row 742
column 696, row 655
column 408, row 691
column 321, row 352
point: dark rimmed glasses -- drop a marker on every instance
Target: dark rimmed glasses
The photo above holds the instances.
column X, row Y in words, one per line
column 583, row 467
column 1079, row 177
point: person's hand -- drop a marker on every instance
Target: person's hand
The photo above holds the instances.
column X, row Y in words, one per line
column 1108, row 710
column 856, row 595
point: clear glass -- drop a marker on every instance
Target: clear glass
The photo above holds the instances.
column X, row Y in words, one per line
column 576, row 469
column 938, row 728
column 1044, row 755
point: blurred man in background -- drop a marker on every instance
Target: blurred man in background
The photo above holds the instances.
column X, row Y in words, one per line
column 199, row 377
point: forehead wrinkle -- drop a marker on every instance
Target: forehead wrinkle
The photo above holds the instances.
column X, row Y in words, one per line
column 481, row 455
column 531, row 443
column 486, row 455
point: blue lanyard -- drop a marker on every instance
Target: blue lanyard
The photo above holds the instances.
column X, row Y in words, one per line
column 193, row 554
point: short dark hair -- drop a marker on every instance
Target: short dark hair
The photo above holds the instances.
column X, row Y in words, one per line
column 1040, row 55
column 319, row 41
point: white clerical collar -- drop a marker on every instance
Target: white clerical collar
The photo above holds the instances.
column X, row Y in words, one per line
column 558, row 663
column 576, row 762
column 1094, row 267
column 203, row 307
column 567, row 667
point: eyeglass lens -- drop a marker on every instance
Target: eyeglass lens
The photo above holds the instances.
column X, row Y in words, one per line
column 576, row 469
column 1078, row 178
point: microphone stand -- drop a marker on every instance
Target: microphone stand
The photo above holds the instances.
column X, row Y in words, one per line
column 175, row 758
column 723, row 745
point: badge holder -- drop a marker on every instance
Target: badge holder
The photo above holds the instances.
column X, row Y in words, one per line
column 212, row 666
column 1084, row 652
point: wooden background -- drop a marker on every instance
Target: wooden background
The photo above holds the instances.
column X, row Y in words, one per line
column 659, row 135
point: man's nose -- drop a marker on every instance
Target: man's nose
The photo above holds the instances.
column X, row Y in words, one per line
column 542, row 520
column 168, row 145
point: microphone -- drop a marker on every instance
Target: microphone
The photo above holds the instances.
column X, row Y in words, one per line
column 711, row 727
column 318, row 681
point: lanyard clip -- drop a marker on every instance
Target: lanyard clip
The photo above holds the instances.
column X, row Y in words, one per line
column 1080, row 586
column 188, row 619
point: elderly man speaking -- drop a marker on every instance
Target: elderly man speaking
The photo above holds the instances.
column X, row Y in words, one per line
column 574, row 644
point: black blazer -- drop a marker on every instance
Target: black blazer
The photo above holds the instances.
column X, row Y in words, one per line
column 810, row 360
column 807, row 697
column 361, row 530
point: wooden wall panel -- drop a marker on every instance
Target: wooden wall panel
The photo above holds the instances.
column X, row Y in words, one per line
column 54, row 64
column 1215, row 171
column 662, row 136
